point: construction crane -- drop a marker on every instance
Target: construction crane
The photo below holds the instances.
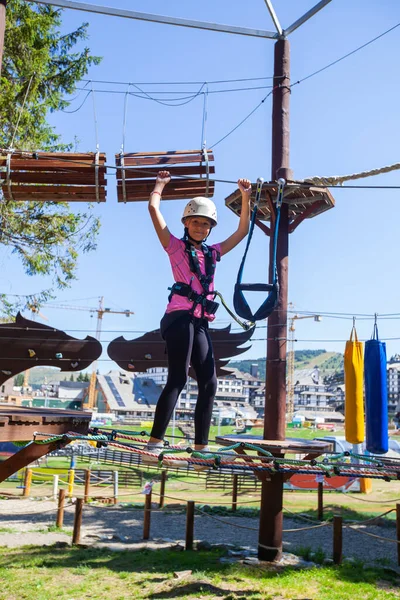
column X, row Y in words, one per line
column 33, row 307
column 101, row 311
column 290, row 371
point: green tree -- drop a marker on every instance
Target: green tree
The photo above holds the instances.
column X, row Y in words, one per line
column 19, row 379
column 72, row 377
column 40, row 68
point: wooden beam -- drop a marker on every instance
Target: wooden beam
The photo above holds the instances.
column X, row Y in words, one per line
column 27, row 455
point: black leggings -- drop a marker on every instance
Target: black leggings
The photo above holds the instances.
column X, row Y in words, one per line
column 188, row 343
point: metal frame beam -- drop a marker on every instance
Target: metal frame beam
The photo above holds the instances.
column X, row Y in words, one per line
column 305, row 17
column 140, row 16
column 274, row 16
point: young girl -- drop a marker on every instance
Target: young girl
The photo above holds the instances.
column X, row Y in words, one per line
column 191, row 307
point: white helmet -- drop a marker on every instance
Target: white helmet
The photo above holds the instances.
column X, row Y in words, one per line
column 201, row 207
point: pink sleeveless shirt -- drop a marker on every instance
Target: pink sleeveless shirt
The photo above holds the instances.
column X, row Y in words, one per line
column 176, row 251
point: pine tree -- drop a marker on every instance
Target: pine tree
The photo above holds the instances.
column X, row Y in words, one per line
column 40, row 67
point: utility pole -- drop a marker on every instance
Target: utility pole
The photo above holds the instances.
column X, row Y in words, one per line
column 271, row 515
column 3, row 5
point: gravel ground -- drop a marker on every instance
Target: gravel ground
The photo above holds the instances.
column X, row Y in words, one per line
column 119, row 528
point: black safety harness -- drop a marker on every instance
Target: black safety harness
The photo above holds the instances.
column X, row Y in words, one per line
column 211, row 257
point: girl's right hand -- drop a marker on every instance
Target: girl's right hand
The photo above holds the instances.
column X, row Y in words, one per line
column 163, row 177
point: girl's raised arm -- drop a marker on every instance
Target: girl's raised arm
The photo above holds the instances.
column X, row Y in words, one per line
column 159, row 223
column 243, row 227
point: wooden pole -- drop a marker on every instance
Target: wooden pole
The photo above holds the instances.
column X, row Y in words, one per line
column 189, row 525
column 87, row 486
column 271, row 515
column 162, row 489
column 76, row 536
column 27, row 483
column 60, row 509
column 234, row 492
column 398, row 532
column 320, row 500
column 147, row 516
column 3, row 5
column 337, row 540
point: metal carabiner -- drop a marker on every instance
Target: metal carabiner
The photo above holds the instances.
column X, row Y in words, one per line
column 281, row 187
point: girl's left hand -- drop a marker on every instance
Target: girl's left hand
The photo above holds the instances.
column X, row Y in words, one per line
column 245, row 186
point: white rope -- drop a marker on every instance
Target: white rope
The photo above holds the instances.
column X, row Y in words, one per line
column 20, row 111
column 340, row 179
column 124, row 120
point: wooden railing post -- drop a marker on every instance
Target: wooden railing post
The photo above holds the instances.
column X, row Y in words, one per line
column 189, row 525
column 60, row 509
column 320, row 500
column 147, row 516
column 337, row 540
column 234, row 492
column 76, row 536
column 162, row 488
column 87, row 486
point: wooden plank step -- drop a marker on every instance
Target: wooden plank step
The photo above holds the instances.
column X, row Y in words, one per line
column 70, row 155
column 172, row 196
column 47, row 166
column 165, row 160
column 55, row 178
column 163, row 153
column 148, row 172
column 57, row 198
column 178, row 184
column 50, row 189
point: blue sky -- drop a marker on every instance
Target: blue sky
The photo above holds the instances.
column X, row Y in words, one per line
column 343, row 120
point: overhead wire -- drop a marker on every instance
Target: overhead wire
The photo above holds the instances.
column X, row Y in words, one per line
column 338, row 60
column 219, row 81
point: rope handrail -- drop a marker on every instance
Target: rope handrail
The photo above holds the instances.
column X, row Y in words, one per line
column 339, row 179
column 372, row 518
column 374, row 535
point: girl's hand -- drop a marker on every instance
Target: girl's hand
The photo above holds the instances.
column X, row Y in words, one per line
column 163, row 177
column 245, row 186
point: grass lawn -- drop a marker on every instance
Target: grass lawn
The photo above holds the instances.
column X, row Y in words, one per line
column 45, row 573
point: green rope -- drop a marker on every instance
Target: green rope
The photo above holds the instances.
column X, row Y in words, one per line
column 246, row 325
column 58, row 438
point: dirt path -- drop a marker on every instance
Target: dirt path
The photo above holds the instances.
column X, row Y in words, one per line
column 26, row 522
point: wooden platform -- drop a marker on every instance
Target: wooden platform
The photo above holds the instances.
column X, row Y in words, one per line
column 189, row 169
column 288, row 446
column 53, row 176
column 305, row 201
column 20, row 423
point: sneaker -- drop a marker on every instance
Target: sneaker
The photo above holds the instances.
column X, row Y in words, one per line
column 155, row 448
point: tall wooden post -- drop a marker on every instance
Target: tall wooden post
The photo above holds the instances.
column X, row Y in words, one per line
column 3, row 5
column 271, row 515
